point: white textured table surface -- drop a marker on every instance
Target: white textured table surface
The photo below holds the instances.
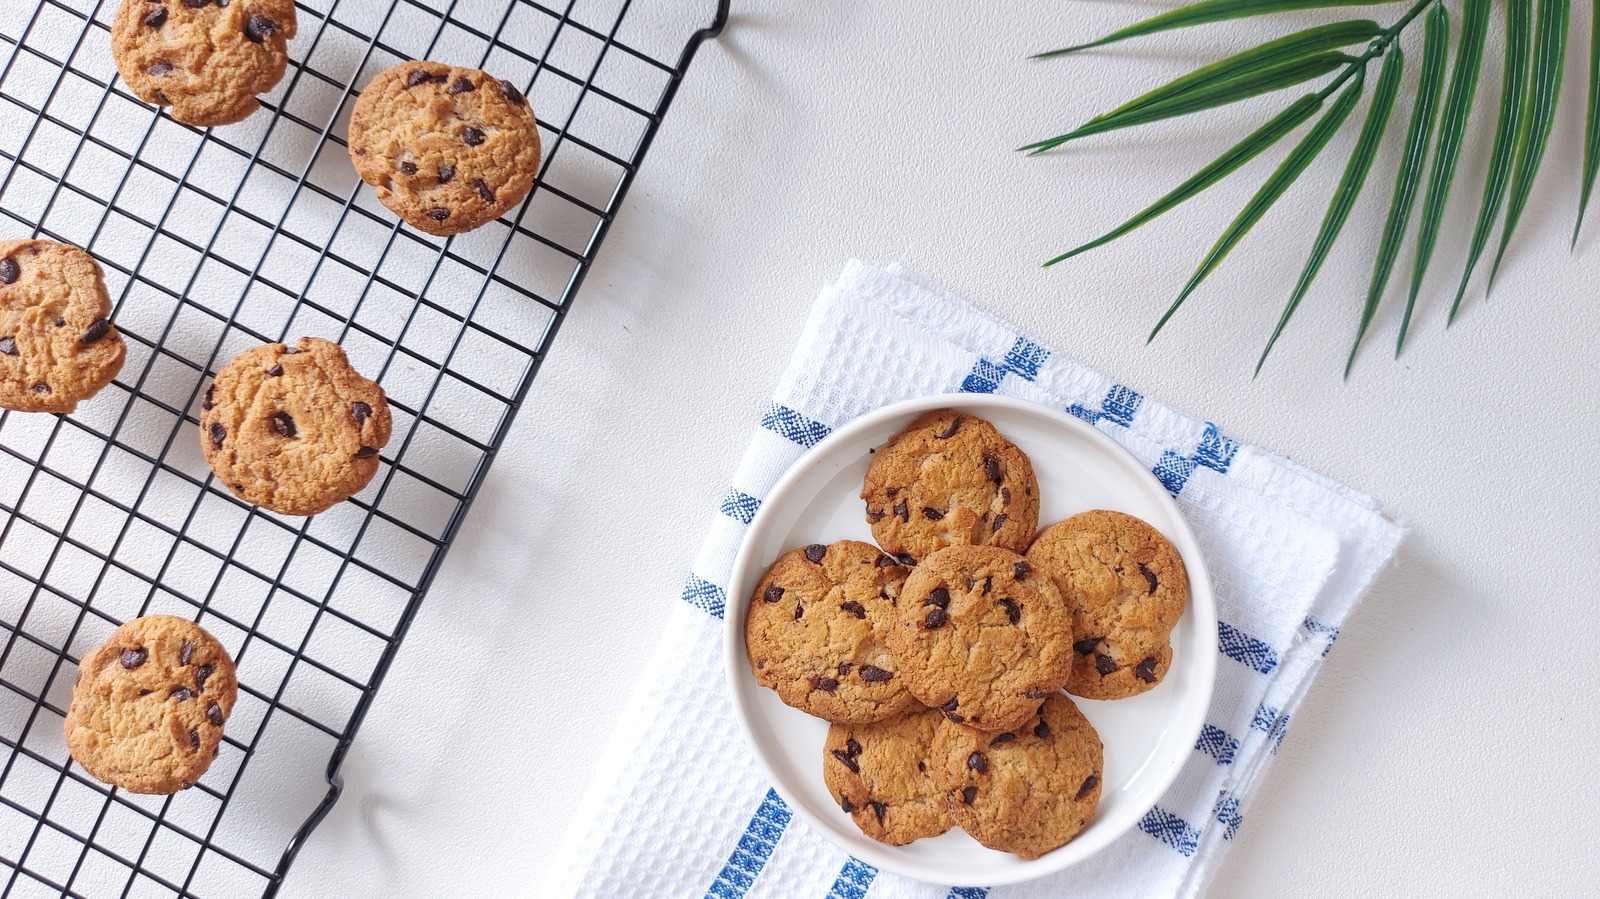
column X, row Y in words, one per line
column 1445, row 749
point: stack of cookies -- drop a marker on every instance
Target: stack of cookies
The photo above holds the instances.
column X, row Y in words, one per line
column 940, row 655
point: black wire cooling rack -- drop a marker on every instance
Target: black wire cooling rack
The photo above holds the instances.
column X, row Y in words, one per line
column 214, row 241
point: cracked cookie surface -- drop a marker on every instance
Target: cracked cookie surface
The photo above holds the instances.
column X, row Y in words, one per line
column 880, row 776
column 817, row 627
column 1027, row 790
column 57, row 343
column 447, row 149
column 294, row 430
column 982, row 636
column 150, row 704
column 1127, row 588
column 950, row 479
column 206, row 59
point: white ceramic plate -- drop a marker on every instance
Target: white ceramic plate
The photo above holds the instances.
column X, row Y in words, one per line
column 1147, row 738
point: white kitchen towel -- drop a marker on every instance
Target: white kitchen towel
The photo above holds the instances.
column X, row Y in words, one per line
column 679, row 809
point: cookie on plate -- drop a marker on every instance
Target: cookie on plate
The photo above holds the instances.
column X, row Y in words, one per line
column 207, row 59
column 880, row 776
column 293, row 429
column 1127, row 588
column 149, row 707
column 982, row 636
column 447, row 149
column 1027, row 790
column 950, row 479
column 57, row 344
column 816, row 629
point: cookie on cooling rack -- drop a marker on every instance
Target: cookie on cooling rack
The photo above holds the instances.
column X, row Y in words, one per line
column 57, row 345
column 149, row 707
column 207, row 59
column 294, row 429
column 447, row 149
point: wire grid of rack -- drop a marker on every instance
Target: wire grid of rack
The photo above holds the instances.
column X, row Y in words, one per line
column 214, row 241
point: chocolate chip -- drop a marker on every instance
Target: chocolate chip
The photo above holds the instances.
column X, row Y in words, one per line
column 978, row 762
column 887, row 561
column 10, row 271
column 991, row 468
column 847, row 761
column 483, row 189
column 1002, row 738
column 1005, row 496
column 157, row 17
column 446, row 173
column 460, row 86
column 197, row 4
column 472, row 136
column 852, row 747
column 1037, row 694
column 366, row 452
column 259, row 28
column 845, row 805
column 1149, row 576
column 1013, row 611
column 773, row 593
column 1146, row 671
column 423, row 77
column 61, row 322
column 902, row 510
column 8, row 346
column 1089, row 783
column 949, row 429
column 194, row 735
column 161, row 97
column 1086, row 645
column 931, row 513
column 922, row 765
column 133, row 658
column 938, row 596
column 214, row 714
column 935, row 619
column 1104, row 665
column 159, row 68
column 907, row 560
column 875, row 516
column 1041, row 730
column 202, row 675
column 182, row 693
column 218, row 434
column 999, row 522
column 362, row 412
column 878, row 809
column 99, row 329
column 41, row 387
column 799, row 610
column 891, row 491
column 872, row 674
column 1020, row 570
column 408, row 167
column 438, row 215
column 275, row 371
column 511, row 93
column 845, row 668
column 185, row 653
column 951, row 705
column 968, row 794
column 827, row 684
column 815, row 552
column 853, row 608
column 290, row 351
column 284, row 425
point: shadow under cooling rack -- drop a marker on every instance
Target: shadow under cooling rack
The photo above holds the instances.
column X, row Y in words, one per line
column 215, row 241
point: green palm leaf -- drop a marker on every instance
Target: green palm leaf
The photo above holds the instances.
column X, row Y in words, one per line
column 1591, row 138
column 1206, row 13
column 1435, row 45
column 1241, row 153
column 1350, row 184
column 1519, row 25
column 1539, row 113
column 1272, row 66
column 1282, row 179
column 1452, row 130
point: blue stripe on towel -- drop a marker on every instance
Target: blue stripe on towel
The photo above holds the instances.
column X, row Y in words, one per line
column 704, row 595
column 968, row 893
column 1172, row 830
column 1248, row 651
column 853, row 880
column 740, row 506
column 791, row 425
column 755, row 847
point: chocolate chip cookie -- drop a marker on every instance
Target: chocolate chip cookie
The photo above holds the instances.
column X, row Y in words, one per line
column 816, row 630
column 293, row 429
column 1026, row 790
column 950, row 479
column 207, row 59
column 447, row 149
column 982, row 636
column 1127, row 588
column 148, row 710
column 57, row 344
column 880, row 776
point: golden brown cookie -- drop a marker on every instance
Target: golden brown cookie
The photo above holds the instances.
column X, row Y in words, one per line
column 1027, row 790
column 57, row 344
column 816, row 629
column 447, row 149
column 1127, row 588
column 950, row 479
column 150, row 703
column 207, row 59
column 981, row 636
column 293, row 430
column 880, row 775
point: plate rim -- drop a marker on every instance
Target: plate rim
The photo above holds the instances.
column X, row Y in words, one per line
column 1189, row 719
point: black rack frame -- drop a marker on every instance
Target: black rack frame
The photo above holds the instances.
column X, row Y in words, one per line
column 327, row 636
